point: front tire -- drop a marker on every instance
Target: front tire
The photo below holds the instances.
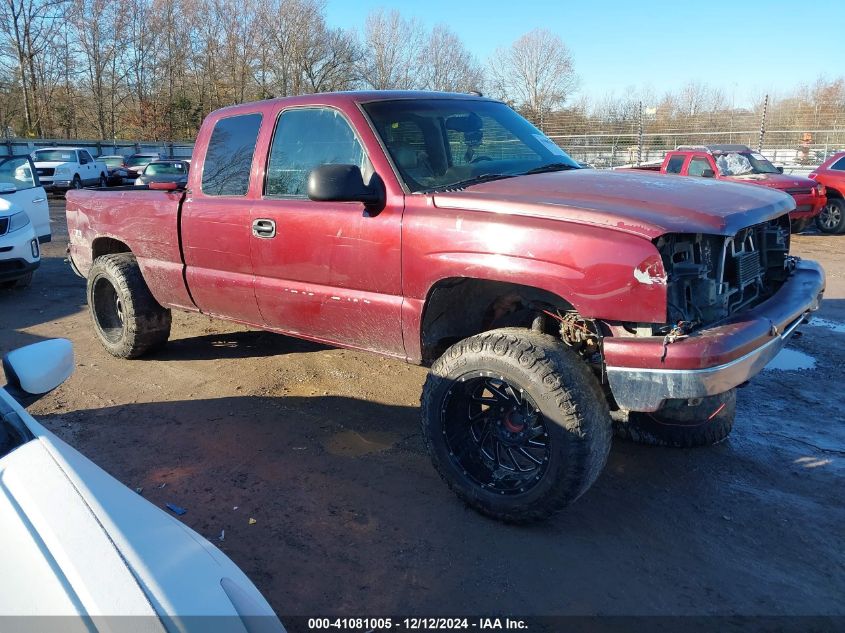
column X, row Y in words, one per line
column 127, row 319
column 680, row 424
column 798, row 226
column 516, row 424
column 103, row 181
column 76, row 183
column 832, row 218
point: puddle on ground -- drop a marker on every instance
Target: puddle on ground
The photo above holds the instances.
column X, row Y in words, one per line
column 833, row 326
column 355, row 444
column 792, row 360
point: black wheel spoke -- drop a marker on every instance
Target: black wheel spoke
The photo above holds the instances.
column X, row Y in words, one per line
column 496, row 434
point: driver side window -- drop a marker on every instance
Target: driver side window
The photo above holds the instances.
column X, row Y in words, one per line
column 306, row 138
column 697, row 166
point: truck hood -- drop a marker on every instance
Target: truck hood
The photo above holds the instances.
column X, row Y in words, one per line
column 775, row 181
column 644, row 204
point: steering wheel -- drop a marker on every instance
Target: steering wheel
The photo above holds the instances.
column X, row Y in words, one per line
column 478, row 159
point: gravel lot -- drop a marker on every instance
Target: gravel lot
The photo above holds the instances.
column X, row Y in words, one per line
column 320, row 446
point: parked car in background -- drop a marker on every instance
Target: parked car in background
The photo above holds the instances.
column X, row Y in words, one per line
column 63, row 168
column 446, row 230
column 28, row 194
column 136, row 162
column 20, row 253
column 77, row 542
column 118, row 174
column 737, row 163
column 175, row 171
column 831, row 174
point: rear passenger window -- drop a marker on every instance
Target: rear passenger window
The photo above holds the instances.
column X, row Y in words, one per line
column 839, row 165
column 306, row 138
column 226, row 168
column 675, row 165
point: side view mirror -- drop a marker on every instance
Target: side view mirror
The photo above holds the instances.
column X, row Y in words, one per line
column 7, row 187
column 708, row 173
column 780, row 169
column 342, row 183
column 37, row 369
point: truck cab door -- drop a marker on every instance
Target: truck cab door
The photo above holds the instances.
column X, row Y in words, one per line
column 216, row 227
column 329, row 271
column 29, row 195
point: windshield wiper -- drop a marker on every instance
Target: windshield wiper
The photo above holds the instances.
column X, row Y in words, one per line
column 550, row 167
column 472, row 181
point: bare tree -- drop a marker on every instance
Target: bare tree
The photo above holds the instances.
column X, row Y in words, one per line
column 535, row 73
column 30, row 26
column 392, row 47
column 446, row 64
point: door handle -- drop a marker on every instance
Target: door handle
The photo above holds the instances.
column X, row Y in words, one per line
column 38, row 200
column 264, row 229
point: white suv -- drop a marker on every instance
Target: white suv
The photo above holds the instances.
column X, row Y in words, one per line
column 24, row 221
column 63, row 168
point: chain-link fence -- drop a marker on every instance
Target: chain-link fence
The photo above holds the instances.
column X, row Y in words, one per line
column 181, row 149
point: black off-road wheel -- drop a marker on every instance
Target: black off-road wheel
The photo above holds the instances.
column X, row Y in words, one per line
column 127, row 319
column 515, row 423
column 682, row 423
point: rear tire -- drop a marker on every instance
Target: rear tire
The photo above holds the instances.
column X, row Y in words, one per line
column 103, row 181
column 832, row 218
column 127, row 319
column 534, row 443
column 680, row 425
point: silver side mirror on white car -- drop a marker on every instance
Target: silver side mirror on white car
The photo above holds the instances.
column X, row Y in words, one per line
column 37, row 369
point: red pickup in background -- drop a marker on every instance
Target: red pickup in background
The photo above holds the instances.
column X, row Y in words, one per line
column 831, row 175
column 738, row 163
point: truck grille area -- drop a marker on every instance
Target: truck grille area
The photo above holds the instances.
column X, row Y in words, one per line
column 710, row 277
column 4, row 225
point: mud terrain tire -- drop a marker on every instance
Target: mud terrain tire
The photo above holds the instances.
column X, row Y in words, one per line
column 680, row 425
column 547, row 389
column 127, row 319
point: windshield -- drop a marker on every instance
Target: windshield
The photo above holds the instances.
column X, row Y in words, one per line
column 442, row 143
column 165, row 169
column 740, row 163
column 55, row 155
column 112, row 161
column 139, row 161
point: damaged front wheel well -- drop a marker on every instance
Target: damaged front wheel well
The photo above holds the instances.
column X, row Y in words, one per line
column 458, row 308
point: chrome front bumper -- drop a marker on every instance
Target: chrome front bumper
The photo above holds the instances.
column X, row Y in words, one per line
column 646, row 389
column 743, row 346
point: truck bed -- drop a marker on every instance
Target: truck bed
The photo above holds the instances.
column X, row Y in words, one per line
column 136, row 219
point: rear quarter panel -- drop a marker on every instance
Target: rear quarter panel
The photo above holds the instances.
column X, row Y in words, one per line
column 147, row 222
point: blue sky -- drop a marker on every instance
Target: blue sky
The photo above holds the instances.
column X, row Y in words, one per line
column 743, row 46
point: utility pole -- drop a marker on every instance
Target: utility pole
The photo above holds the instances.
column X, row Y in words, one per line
column 763, row 124
column 640, row 135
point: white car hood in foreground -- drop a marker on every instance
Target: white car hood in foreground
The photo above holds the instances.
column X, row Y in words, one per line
column 8, row 208
column 78, row 542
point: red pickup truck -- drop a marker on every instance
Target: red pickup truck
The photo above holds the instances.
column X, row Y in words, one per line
column 737, row 163
column 831, row 175
column 446, row 230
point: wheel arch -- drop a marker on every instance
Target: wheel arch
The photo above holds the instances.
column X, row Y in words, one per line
column 106, row 246
column 456, row 308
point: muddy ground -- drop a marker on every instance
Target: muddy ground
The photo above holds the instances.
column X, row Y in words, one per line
column 321, row 447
